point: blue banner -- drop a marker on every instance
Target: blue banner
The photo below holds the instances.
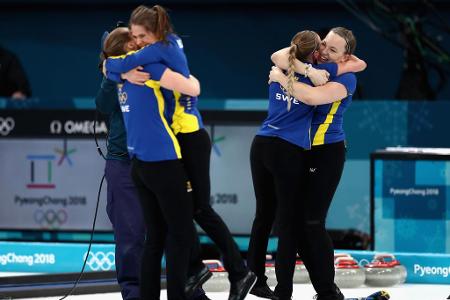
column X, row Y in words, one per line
column 421, row 267
column 64, row 258
column 55, row 257
column 412, row 203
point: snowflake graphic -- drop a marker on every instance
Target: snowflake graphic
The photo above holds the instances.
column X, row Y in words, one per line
column 420, row 117
column 430, row 240
column 432, row 204
column 394, row 172
column 358, row 213
column 407, row 230
column 380, row 116
column 382, row 234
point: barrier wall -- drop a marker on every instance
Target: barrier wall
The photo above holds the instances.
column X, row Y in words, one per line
column 61, row 258
column 369, row 125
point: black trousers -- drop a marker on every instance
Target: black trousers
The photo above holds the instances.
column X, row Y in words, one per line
column 325, row 166
column 196, row 153
column 125, row 213
column 278, row 178
column 167, row 209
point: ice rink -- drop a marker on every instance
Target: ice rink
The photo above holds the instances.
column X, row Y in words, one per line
column 305, row 291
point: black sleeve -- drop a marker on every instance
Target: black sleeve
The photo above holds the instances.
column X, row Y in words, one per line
column 106, row 100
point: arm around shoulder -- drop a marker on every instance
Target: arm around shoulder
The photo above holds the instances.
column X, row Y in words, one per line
column 177, row 82
column 319, row 95
column 337, row 89
column 280, row 59
column 328, row 93
column 354, row 64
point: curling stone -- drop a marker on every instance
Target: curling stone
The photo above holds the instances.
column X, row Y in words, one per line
column 300, row 274
column 270, row 273
column 381, row 274
column 219, row 281
column 348, row 274
column 390, row 258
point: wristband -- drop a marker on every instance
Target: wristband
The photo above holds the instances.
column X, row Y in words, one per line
column 307, row 68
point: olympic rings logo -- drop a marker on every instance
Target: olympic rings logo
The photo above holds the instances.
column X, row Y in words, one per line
column 100, row 260
column 6, row 125
column 123, row 97
column 50, row 217
column 363, row 262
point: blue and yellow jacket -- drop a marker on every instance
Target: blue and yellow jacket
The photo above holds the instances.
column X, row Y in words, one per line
column 182, row 119
column 328, row 120
column 293, row 125
column 149, row 137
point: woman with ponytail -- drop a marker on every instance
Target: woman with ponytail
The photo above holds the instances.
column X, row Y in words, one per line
column 306, row 41
column 326, row 159
column 277, row 159
column 152, row 30
column 158, row 174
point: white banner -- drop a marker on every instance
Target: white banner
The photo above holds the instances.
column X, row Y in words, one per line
column 232, row 194
column 51, row 184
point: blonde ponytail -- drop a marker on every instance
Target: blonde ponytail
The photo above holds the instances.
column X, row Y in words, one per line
column 290, row 75
column 303, row 44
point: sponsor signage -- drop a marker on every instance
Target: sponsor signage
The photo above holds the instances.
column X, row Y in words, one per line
column 58, row 258
column 55, row 257
column 55, row 181
column 29, row 123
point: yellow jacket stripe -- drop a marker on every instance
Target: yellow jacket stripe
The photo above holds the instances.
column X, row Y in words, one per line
column 319, row 138
column 183, row 122
column 123, row 55
column 159, row 97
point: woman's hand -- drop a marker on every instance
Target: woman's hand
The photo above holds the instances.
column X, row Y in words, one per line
column 136, row 76
column 276, row 75
column 318, row 77
column 188, row 102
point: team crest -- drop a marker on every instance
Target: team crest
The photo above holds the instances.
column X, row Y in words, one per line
column 123, row 97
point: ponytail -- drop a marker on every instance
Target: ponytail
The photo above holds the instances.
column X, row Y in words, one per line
column 303, row 44
column 290, row 74
column 163, row 25
column 155, row 19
